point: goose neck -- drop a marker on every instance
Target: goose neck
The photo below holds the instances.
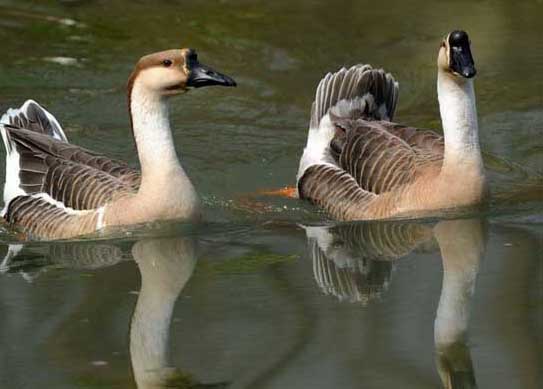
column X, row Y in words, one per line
column 459, row 118
column 152, row 133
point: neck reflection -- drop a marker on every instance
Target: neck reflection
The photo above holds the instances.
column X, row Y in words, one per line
column 165, row 266
column 353, row 262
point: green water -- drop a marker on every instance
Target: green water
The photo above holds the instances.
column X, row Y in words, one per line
column 268, row 293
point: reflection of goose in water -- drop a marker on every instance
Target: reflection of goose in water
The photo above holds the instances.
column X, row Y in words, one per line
column 33, row 259
column 165, row 266
column 353, row 262
column 462, row 245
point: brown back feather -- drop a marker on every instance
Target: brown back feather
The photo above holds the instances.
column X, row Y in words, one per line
column 377, row 160
column 39, row 218
column 78, row 178
column 334, row 190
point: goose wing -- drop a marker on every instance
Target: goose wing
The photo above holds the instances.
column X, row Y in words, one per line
column 369, row 160
column 335, row 190
column 71, row 175
column 380, row 158
column 427, row 143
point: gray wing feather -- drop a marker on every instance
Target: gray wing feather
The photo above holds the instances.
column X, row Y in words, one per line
column 378, row 88
column 78, row 178
column 34, row 117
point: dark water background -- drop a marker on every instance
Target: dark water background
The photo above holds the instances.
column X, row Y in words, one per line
column 252, row 298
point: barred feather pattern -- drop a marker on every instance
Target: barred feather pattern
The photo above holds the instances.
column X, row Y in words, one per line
column 375, row 87
column 78, row 178
column 378, row 161
column 383, row 241
column 356, row 265
column 372, row 159
column 64, row 185
column 87, row 255
column 426, row 143
column 359, row 284
column 334, row 190
column 82, row 187
column 379, row 156
column 39, row 218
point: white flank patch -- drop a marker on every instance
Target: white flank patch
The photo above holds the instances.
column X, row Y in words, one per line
column 316, row 151
column 100, row 222
column 11, row 185
column 13, row 250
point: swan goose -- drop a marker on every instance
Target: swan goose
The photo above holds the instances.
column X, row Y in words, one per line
column 55, row 190
column 357, row 164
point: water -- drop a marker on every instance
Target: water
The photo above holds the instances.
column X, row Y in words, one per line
column 268, row 293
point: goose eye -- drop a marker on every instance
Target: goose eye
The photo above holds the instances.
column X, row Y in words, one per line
column 167, row 63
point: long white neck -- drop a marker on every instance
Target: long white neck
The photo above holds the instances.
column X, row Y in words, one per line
column 459, row 118
column 152, row 132
column 164, row 183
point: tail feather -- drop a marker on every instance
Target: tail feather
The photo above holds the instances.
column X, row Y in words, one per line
column 30, row 116
column 371, row 92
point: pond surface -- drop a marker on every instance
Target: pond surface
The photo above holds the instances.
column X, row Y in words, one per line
column 269, row 293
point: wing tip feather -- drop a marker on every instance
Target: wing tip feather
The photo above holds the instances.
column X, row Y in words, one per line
column 356, row 82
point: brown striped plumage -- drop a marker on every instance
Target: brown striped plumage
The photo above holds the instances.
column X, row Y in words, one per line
column 75, row 177
column 359, row 165
column 353, row 262
column 54, row 189
column 371, row 161
column 79, row 178
column 322, row 183
column 40, row 219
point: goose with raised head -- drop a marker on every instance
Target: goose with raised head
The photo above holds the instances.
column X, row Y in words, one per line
column 358, row 164
column 54, row 189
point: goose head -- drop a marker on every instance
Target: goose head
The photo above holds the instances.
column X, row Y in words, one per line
column 173, row 72
column 455, row 55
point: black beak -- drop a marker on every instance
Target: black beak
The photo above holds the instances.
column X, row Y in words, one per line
column 461, row 61
column 202, row 75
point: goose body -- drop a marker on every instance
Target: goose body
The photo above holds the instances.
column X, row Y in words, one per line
column 358, row 164
column 55, row 189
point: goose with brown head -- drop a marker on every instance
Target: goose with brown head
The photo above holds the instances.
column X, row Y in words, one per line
column 172, row 72
column 87, row 191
